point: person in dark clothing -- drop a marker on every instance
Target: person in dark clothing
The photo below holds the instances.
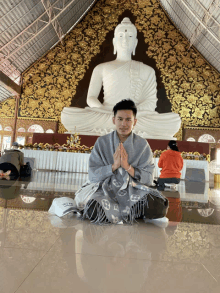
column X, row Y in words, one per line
column 171, row 163
column 11, row 162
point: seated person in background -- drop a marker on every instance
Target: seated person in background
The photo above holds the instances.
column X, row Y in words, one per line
column 11, row 161
column 120, row 170
column 171, row 163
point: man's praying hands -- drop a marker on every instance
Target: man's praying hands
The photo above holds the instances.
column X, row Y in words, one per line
column 124, row 158
column 121, row 160
column 117, row 158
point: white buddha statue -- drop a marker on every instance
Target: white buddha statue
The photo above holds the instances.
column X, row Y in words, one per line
column 121, row 79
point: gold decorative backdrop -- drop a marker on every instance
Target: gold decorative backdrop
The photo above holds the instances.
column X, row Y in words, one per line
column 191, row 84
column 7, row 108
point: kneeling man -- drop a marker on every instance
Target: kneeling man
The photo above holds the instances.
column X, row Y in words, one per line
column 120, row 171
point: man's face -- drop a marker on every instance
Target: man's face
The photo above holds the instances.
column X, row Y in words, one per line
column 124, row 121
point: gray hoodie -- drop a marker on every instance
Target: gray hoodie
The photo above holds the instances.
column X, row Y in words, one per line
column 15, row 157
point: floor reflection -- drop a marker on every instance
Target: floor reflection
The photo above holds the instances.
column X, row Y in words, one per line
column 120, row 243
column 133, row 257
column 196, row 202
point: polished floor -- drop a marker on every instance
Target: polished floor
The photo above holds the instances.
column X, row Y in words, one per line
column 43, row 253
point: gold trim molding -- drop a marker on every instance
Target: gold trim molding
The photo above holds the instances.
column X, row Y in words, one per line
column 40, row 119
column 202, row 128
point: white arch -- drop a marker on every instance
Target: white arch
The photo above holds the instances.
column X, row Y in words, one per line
column 0, row 127
column 21, row 129
column 205, row 212
column 191, row 139
column 206, row 138
column 36, row 128
column 8, row 128
column 49, row 131
column 27, row 199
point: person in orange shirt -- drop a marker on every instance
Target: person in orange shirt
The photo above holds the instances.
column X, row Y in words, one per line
column 171, row 163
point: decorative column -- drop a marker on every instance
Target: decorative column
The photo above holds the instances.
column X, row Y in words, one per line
column 217, row 175
column 15, row 118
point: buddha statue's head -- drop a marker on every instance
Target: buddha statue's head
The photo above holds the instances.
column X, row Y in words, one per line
column 125, row 37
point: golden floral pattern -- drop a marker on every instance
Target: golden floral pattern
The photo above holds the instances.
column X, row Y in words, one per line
column 7, row 108
column 191, row 84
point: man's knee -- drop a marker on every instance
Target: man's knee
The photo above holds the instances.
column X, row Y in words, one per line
column 156, row 207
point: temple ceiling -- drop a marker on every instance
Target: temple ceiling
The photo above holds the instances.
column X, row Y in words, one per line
column 30, row 28
column 199, row 22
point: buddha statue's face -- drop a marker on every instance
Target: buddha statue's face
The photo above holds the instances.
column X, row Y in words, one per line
column 125, row 39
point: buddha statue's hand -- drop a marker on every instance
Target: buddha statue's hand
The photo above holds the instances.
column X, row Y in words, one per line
column 117, row 159
column 124, row 158
column 149, row 105
column 94, row 102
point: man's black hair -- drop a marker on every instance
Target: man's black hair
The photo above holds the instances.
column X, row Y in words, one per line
column 125, row 105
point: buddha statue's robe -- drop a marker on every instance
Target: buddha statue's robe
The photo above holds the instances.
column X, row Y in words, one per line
column 132, row 80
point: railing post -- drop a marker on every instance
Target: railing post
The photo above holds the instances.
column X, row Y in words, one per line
column 15, row 118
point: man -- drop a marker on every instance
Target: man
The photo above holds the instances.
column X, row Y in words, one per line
column 11, row 161
column 120, row 171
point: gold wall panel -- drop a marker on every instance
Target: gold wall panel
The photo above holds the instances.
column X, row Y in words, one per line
column 7, row 108
column 192, row 85
column 6, row 122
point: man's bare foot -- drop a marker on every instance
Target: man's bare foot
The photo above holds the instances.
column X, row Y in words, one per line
column 7, row 173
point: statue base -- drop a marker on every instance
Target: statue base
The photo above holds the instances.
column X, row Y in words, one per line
column 141, row 134
column 89, row 140
column 95, row 121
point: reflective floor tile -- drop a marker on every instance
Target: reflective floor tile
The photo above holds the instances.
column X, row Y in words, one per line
column 60, row 271
column 15, row 266
column 27, row 229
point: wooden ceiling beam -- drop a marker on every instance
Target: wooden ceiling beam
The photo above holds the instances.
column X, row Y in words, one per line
column 9, row 84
